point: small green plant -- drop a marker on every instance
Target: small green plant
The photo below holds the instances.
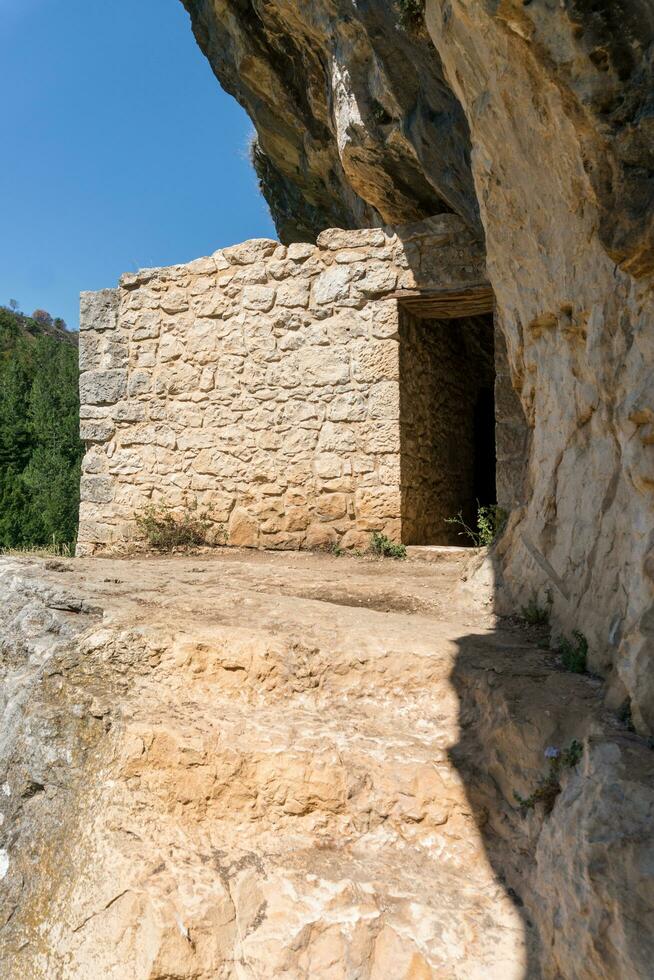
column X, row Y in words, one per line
column 412, row 14
column 380, row 115
column 491, row 521
column 549, row 785
column 574, row 653
column 337, row 551
column 383, row 547
column 166, row 528
column 535, row 614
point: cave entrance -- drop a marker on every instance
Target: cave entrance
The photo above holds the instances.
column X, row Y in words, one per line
column 447, row 417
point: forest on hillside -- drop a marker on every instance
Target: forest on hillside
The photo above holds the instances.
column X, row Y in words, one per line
column 40, row 448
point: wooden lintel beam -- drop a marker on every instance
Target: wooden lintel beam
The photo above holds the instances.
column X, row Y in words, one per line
column 447, row 304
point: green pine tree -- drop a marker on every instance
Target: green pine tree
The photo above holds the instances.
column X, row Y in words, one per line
column 53, row 472
column 40, row 449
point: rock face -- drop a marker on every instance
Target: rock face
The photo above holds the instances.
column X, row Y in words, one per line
column 355, row 124
column 358, row 119
column 263, row 765
column 285, row 392
column 558, row 108
column 558, row 100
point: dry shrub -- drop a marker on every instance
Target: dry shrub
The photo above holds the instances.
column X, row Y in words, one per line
column 167, row 528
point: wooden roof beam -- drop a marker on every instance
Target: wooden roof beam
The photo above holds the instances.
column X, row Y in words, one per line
column 447, row 304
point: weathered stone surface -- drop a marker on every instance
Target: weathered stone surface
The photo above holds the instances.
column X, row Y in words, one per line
column 375, row 504
column 258, row 298
column 321, row 537
column 243, row 529
column 102, row 387
column 99, row 310
column 281, row 377
column 128, row 411
column 373, row 77
column 174, row 301
column 300, row 251
column 101, row 352
column 97, row 489
column 139, row 383
column 303, row 766
column 250, row 252
column 337, row 238
column 330, row 86
column 332, row 285
column 294, row 294
column 96, row 430
column 561, row 116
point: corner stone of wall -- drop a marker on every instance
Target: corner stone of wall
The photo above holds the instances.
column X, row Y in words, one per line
column 261, row 383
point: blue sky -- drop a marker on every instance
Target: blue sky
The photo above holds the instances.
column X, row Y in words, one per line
column 119, row 149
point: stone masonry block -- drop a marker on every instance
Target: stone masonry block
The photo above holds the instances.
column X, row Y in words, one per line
column 300, row 252
column 376, row 279
column 321, row 537
column 379, row 436
column 333, row 285
column 384, row 400
column 376, row 360
column 139, row 383
column 258, row 298
column 97, row 489
column 327, row 466
column 129, row 412
column 102, row 387
column 337, row 238
column 174, row 301
column 99, row 310
column 377, row 503
column 243, row 529
column 331, row 506
column 96, row 430
column 252, row 251
column 294, row 294
column 385, row 320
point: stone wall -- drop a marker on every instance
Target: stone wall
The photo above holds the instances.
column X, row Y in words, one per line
column 443, row 366
column 261, row 383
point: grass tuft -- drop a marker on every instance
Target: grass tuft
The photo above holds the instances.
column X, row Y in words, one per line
column 574, row 653
column 383, row 547
column 536, row 615
column 54, row 550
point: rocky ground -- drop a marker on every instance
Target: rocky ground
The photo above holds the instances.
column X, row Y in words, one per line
column 255, row 765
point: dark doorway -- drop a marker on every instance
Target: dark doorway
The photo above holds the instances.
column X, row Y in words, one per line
column 447, row 425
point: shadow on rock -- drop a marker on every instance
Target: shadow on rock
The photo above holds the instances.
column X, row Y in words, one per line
column 581, row 875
